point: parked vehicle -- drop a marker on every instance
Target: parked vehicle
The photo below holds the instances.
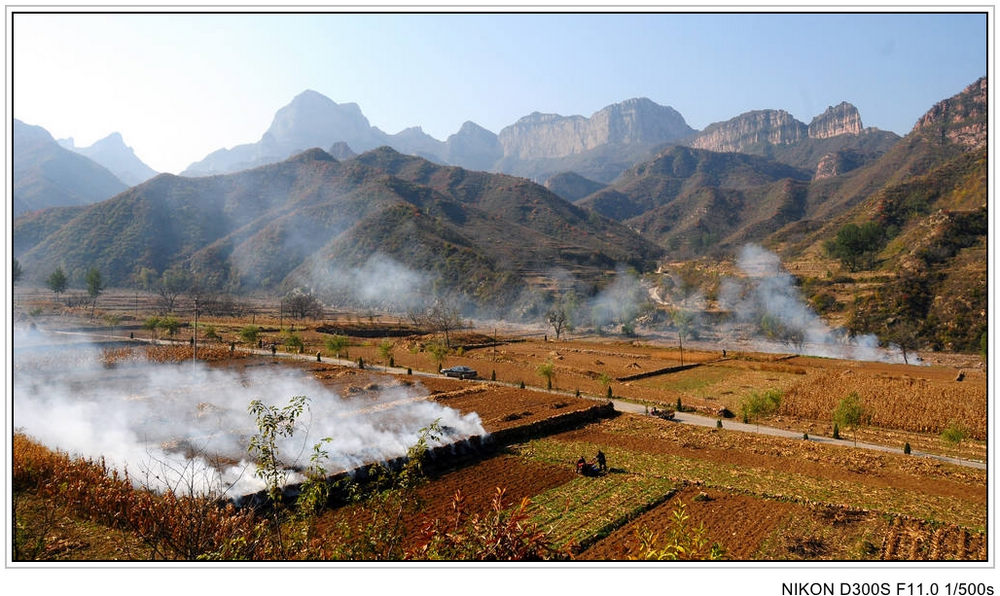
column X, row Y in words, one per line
column 460, row 372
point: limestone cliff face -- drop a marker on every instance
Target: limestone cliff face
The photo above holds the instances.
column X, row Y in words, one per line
column 836, row 120
column 840, row 162
column 776, row 127
column 960, row 119
column 635, row 121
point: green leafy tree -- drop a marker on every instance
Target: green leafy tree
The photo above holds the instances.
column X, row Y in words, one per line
column 57, row 281
column 385, row 348
column 337, row 345
column 212, row 333
column 170, row 325
column 850, row 413
column 15, row 272
column 856, row 246
column 112, row 321
column 954, row 433
column 95, row 285
column 293, row 342
column 272, row 423
column 250, row 334
column 757, row 405
column 151, row 324
column 438, row 351
column 547, row 371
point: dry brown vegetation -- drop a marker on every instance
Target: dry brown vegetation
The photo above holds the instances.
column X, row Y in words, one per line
column 811, row 501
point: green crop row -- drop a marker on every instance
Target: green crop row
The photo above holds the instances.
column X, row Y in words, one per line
column 772, row 483
column 586, row 509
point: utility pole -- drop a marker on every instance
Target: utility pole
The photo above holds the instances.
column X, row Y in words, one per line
column 194, row 338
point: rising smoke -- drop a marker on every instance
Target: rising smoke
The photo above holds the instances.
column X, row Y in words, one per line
column 768, row 310
column 186, row 426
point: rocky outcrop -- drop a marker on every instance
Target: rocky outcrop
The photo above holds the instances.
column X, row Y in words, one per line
column 774, row 127
column 836, row 120
column 634, row 122
column 840, row 162
column 960, row 119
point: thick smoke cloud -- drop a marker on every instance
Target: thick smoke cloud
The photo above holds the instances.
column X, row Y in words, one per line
column 620, row 302
column 186, row 426
column 768, row 309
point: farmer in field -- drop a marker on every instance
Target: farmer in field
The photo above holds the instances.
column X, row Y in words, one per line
column 602, row 463
column 580, row 464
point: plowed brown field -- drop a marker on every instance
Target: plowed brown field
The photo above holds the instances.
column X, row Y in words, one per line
column 737, row 522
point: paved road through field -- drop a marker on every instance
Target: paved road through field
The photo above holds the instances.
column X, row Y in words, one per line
column 696, row 419
column 624, row 406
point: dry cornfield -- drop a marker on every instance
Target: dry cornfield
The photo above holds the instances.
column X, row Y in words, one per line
column 903, row 403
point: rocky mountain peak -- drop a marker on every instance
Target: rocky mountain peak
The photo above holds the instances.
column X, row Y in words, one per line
column 960, row 119
column 836, row 120
column 637, row 120
column 775, row 127
column 313, row 120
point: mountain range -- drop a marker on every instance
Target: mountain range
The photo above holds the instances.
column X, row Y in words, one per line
column 112, row 153
column 48, row 175
column 539, row 146
column 760, row 177
column 297, row 222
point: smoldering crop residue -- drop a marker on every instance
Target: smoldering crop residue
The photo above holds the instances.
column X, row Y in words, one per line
column 186, row 426
column 769, row 293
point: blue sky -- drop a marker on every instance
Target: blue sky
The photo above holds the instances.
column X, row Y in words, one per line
column 180, row 86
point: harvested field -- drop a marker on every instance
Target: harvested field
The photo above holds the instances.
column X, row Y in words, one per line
column 738, row 522
column 520, row 478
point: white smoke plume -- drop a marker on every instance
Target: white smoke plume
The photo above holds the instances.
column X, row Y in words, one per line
column 620, row 302
column 769, row 295
column 172, row 424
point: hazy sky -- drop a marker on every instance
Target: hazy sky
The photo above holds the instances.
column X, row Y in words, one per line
column 180, row 86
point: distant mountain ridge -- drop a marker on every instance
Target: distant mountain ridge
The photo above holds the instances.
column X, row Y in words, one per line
column 313, row 120
column 112, row 153
column 300, row 221
column 49, row 175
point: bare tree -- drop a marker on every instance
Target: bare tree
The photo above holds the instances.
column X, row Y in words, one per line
column 174, row 282
column 445, row 316
column 302, row 304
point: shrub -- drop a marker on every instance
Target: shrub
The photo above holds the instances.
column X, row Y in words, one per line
column 955, row 433
column 336, row 344
column 170, row 325
column 250, row 334
column 757, row 404
column 293, row 342
column 906, row 449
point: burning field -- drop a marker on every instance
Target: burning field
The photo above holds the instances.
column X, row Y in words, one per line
column 184, row 426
